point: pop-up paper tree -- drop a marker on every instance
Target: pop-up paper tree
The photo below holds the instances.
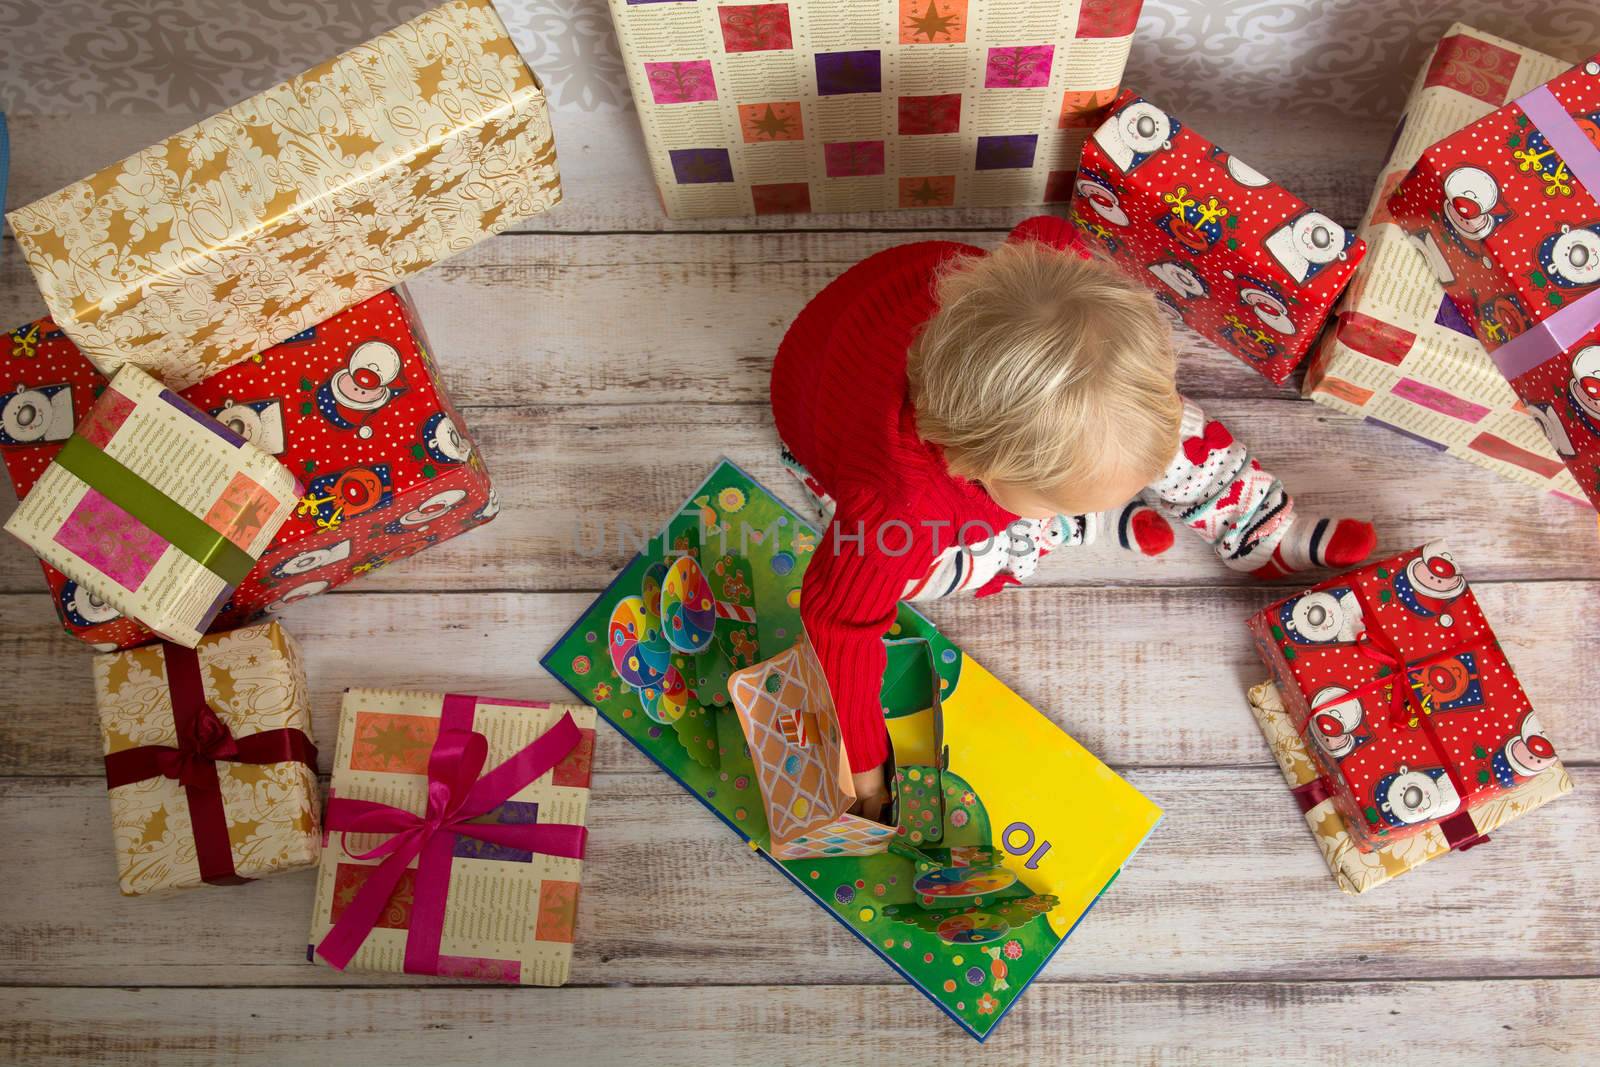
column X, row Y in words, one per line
column 680, row 637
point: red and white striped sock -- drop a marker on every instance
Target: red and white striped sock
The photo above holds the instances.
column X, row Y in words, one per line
column 1311, row 541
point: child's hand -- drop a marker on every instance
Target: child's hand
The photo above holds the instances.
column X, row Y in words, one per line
column 872, row 796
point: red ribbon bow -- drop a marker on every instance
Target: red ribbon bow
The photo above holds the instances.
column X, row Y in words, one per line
column 456, row 796
column 203, row 741
column 1214, row 438
column 1405, row 707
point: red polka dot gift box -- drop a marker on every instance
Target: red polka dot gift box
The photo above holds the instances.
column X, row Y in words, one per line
column 1396, row 681
column 1240, row 259
column 1507, row 213
column 353, row 407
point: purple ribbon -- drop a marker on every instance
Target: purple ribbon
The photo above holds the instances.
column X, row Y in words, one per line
column 1551, row 337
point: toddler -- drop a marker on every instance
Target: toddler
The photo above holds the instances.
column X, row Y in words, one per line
column 956, row 415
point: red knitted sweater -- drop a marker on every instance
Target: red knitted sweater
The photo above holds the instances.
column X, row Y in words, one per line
column 842, row 404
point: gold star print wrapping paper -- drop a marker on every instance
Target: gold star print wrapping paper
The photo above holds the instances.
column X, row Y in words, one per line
column 1356, row 871
column 304, row 200
column 255, row 683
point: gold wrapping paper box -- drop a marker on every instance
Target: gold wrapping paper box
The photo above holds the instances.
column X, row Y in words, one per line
column 304, row 200
column 156, row 508
column 254, row 682
column 510, row 916
column 1356, row 871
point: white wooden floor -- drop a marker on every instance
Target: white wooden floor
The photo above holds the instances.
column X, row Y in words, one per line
column 605, row 357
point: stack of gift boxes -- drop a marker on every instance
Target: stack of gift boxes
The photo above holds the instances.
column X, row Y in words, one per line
column 233, row 407
column 1472, row 323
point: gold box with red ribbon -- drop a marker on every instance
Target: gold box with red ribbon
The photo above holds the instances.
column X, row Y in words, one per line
column 1353, row 870
column 1395, row 679
column 210, row 764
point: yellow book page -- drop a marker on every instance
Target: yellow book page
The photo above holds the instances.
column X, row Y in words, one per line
column 1066, row 821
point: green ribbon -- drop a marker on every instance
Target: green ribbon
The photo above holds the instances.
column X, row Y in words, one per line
column 156, row 511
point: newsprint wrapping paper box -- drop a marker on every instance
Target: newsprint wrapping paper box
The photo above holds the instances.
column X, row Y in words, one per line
column 469, row 905
column 155, row 508
column 1399, row 354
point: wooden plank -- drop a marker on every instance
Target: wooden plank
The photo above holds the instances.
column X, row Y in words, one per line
column 1331, row 1024
column 1142, row 677
column 534, row 317
column 568, row 474
column 608, row 186
column 579, row 486
column 1230, row 887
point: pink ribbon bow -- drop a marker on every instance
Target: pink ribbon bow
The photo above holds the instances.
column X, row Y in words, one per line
column 456, row 796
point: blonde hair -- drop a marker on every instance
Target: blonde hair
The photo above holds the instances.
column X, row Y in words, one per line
column 1042, row 368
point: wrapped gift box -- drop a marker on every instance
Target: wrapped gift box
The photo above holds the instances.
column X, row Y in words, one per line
column 801, row 106
column 1507, row 214
column 1240, row 259
column 1356, row 871
column 209, row 760
column 1400, row 355
column 492, row 893
column 353, row 406
column 283, row 210
column 155, row 508
column 1395, row 677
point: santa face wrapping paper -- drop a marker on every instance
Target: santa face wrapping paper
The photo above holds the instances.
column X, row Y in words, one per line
column 1395, row 678
column 1507, row 214
column 1355, row 871
column 250, row 809
column 287, row 208
column 1400, row 355
column 352, row 406
column 467, row 907
column 154, row 508
column 1240, row 259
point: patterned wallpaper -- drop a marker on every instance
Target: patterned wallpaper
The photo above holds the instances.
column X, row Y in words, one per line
column 190, row 56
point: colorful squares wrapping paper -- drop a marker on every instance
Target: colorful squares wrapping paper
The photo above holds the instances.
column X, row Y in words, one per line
column 805, row 106
column 1400, row 355
column 194, row 507
column 1227, row 251
column 289, row 207
column 511, row 915
column 254, row 681
column 353, row 406
column 1353, row 870
column 1506, row 212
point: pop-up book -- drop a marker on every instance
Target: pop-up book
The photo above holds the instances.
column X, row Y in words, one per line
column 1004, row 831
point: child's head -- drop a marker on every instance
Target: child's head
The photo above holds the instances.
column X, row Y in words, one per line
column 1049, row 378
